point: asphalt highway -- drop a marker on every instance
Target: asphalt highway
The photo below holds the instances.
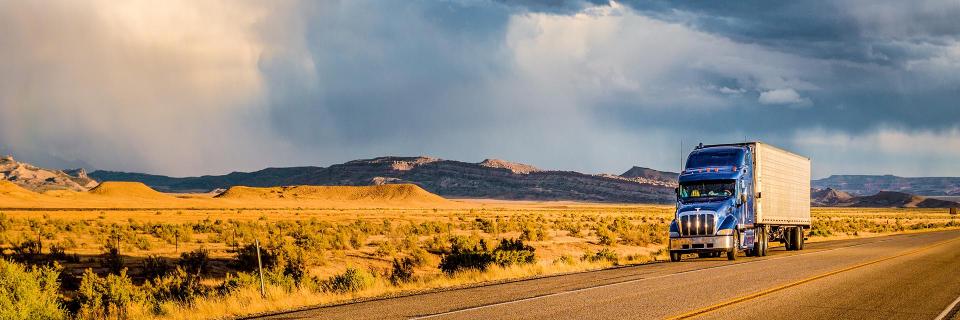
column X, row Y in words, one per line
column 912, row 276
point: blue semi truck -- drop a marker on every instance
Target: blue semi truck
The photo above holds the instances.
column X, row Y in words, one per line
column 737, row 198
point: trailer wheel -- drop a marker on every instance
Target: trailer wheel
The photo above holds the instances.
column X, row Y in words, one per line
column 732, row 253
column 800, row 238
column 674, row 256
column 765, row 243
column 789, row 237
column 796, row 238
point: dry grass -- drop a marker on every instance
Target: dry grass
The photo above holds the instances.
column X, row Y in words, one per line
column 563, row 235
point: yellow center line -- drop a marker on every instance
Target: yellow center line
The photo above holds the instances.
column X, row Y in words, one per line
column 755, row 295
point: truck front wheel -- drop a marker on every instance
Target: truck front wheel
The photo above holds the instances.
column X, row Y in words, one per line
column 732, row 253
column 674, row 256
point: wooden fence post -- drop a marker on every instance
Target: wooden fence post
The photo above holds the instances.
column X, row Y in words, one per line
column 263, row 292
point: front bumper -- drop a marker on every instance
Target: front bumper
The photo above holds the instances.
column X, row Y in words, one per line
column 701, row 243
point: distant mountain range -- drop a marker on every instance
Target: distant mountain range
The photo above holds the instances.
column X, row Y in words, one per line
column 884, row 199
column 862, row 185
column 491, row 178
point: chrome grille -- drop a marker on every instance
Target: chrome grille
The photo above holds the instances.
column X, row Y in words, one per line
column 697, row 224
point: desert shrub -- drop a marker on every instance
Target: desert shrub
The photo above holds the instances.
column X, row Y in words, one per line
column 604, row 254
column 533, row 231
column 358, row 239
column 605, row 236
column 57, row 252
column 465, row 255
column 511, row 252
column 69, row 243
column 308, row 240
column 234, row 281
column 280, row 260
column 155, row 266
column 292, row 264
column 353, row 280
column 565, row 259
column 112, row 260
column 246, row 257
column 107, row 297
column 573, row 228
column 402, row 270
column 169, row 233
column 385, row 249
column 142, row 243
column 29, row 294
column 340, row 240
column 5, row 223
column 420, row 257
column 634, row 237
column 178, row 285
column 26, row 251
column 195, row 262
column 487, row 225
column 437, row 244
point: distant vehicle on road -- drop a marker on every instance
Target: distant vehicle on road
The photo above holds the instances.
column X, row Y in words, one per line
column 737, row 198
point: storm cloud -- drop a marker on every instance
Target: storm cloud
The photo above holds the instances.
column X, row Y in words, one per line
column 188, row 88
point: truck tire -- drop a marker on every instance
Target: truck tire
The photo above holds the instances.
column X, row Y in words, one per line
column 800, row 239
column 674, row 256
column 761, row 243
column 766, row 242
column 797, row 233
column 757, row 243
column 788, row 234
column 732, row 253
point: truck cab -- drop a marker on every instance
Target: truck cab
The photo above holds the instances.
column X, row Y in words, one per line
column 717, row 201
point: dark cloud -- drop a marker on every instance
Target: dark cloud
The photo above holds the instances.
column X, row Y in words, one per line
column 594, row 86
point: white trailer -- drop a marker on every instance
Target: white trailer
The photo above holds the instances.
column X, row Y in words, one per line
column 782, row 186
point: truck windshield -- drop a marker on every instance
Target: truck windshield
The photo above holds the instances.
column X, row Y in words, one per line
column 714, row 158
column 706, row 190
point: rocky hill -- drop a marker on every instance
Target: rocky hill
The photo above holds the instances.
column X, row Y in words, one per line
column 493, row 179
column 38, row 179
column 862, row 185
column 651, row 174
column 883, row 199
column 512, row 166
column 829, row 197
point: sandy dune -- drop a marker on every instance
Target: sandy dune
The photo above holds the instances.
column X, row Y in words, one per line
column 9, row 190
column 112, row 194
column 127, row 190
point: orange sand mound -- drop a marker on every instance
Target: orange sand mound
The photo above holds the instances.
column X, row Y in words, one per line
column 137, row 195
column 127, row 190
column 12, row 190
column 389, row 193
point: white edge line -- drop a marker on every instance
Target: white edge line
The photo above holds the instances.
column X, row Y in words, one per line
column 634, row 281
column 943, row 315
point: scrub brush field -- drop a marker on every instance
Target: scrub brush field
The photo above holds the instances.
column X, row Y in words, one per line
column 187, row 263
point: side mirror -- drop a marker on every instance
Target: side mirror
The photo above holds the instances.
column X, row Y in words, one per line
column 743, row 199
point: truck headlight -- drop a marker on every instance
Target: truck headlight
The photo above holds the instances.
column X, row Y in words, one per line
column 725, row 232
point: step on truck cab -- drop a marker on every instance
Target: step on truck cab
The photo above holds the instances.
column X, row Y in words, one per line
column 738, row 197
